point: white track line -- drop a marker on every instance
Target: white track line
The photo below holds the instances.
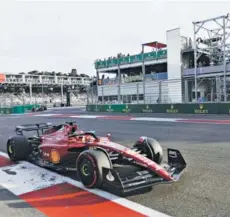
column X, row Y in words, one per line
column 86, row 116
column 114, row 117
column 46, row 115
column 63, row 108
column 30, row 177
column 154, row 119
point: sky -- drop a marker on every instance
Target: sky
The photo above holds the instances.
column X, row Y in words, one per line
column 61, row 35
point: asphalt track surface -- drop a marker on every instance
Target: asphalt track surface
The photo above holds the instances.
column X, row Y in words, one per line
column 204, row 188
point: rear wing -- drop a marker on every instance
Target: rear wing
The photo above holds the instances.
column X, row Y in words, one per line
column 32, row 127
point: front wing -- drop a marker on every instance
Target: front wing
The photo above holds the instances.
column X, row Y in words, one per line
column 144, row 178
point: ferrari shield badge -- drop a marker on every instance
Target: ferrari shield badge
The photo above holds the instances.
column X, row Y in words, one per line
column 55, row 156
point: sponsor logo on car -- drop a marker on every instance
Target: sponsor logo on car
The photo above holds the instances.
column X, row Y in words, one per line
column 136, row 183
column 45, row 154
column 110, row 177
column 173, row 154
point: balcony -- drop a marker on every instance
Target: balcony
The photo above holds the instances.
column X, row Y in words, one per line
column 206, row 70
column 138, row 58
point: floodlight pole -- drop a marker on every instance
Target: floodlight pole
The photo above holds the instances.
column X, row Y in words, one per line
column 143, row 71
column 62, row 97
column 224, row 56
column 97, row 85
column 119, row 82
column 195, row 59
column 31, row 92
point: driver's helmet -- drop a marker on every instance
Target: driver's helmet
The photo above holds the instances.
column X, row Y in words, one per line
column 74, row 128
column 71, row 127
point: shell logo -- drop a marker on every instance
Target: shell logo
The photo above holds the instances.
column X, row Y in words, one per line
column 83, row 139
column 55, row 156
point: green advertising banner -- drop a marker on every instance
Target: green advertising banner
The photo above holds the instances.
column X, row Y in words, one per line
column 224, row 108
column 117, row 108
column 19, row 109
column 141, row 108
column 7, row 110
column 193, row 108
column 92, row 108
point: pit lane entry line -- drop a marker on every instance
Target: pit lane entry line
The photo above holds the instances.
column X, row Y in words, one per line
column 56, row 195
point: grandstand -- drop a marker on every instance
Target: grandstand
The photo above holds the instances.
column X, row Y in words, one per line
column 184, row 69
column 42, row 89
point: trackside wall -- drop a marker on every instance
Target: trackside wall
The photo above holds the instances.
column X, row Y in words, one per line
column 196, row 108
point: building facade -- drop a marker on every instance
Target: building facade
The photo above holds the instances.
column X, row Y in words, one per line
column 184, row 69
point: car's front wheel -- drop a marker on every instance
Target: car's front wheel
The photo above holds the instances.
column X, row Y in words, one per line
column 151, row 148
column 90, row 166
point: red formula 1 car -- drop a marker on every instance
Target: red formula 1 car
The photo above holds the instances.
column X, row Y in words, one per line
column 96, row 160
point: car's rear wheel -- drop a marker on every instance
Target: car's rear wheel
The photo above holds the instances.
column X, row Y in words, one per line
column 18, row 148
column 151, row 148
column 90, row 165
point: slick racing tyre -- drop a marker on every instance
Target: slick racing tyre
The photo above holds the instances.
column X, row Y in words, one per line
column 89, row 168
column 18, row 148
column 151, row 148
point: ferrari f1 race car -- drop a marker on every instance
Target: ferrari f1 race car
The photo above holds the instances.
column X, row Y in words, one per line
column 39, row 109
column 96, row 160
